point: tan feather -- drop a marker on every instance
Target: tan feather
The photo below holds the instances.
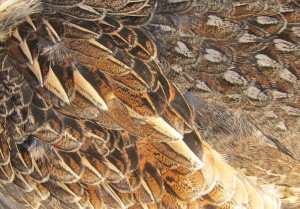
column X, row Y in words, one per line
column 87, row 90
column 52, row 83
column 90, row 116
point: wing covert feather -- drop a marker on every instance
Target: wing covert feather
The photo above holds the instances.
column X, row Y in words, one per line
column 89, row 120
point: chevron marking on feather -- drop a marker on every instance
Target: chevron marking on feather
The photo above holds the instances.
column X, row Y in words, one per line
column 113, row 59
column 36, row 69
column 82, row 29
column 88, row 91
column 23, row 46
column 52, row 30
column 53, row 85
column 158, row 123
column 97, row 44
column 29, row 20
column 162, row 126
column 183, row 150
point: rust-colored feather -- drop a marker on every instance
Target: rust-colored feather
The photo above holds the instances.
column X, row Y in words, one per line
column 89, row 119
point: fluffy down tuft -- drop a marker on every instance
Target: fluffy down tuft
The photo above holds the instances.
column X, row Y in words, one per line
column 13, row 13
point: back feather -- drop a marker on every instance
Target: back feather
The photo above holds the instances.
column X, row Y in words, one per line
column 89, row 120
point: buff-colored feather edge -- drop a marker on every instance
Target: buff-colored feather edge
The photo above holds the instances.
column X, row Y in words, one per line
column 13, row 13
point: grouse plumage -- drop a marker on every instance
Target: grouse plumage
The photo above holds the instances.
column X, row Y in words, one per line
column 89, row 119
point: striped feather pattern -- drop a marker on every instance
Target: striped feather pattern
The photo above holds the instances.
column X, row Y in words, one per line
column 89, row 120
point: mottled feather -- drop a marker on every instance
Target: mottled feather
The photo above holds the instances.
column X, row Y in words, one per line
column 92, row 114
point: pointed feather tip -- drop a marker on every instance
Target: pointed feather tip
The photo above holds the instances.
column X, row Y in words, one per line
column 184, row 151
column 13, row 13
column 53, row 85
column 162, row 126
column 36, row 69
column 158, row 123
column 88, row 91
